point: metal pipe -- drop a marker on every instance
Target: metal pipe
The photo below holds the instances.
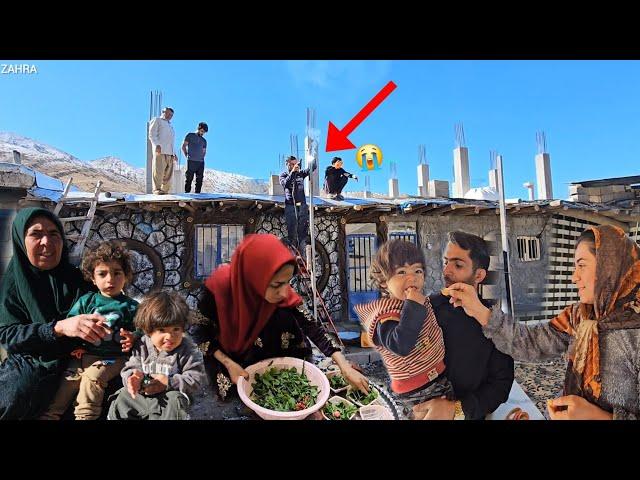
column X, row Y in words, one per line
column 507, row 305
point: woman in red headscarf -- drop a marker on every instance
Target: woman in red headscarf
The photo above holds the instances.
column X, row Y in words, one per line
column 255, row 314
column 600, row 334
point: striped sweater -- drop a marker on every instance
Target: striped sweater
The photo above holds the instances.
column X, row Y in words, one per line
column 423, row 363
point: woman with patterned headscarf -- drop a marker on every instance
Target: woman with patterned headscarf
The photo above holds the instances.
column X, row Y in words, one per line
column 253, row 314
column 38, row 289
column 600, row 334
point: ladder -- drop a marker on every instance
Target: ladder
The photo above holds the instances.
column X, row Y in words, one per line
column 308, row 291
column 81, row 238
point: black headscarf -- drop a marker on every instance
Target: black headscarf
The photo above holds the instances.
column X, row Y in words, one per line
column 30, row 295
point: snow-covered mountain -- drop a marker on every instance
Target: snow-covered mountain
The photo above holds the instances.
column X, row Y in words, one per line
column 120, row 167
column 214, row 180
column 32, row 148
column 117, row 175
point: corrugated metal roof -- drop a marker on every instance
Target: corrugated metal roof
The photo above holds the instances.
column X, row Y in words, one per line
column 609, row 181
column 48, row 188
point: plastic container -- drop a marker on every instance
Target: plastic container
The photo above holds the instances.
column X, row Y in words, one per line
column 314, row 374
column 375, row 401
column 336, row 399
column 374, row 411
column 334, row 373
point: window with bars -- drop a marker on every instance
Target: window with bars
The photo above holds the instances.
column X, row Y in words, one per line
column 405, row 237
column 214, row 245
column 361, row 249
column 528, row 249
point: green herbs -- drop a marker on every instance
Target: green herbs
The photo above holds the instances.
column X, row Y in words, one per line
column 283, row 390
column 337, row 381
column 339, row 410
column 361, row 398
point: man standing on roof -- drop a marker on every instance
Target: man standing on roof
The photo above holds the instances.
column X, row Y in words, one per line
column 194, row 148
column 296, row 211
column 162, row 137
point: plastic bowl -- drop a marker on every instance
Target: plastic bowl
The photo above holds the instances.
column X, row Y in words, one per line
column 314, row 374
column 337, row 399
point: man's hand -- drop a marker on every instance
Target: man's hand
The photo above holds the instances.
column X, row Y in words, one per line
column 158, row 149
column 435, row 409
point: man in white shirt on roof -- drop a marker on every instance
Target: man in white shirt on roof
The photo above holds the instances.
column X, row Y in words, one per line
column 162, row 137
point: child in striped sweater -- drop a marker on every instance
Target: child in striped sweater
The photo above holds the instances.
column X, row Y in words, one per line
column 402, row 327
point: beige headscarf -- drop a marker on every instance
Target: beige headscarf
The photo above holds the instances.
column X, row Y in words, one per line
column 616, row 306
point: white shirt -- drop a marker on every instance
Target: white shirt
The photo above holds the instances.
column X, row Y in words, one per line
column 161, row 133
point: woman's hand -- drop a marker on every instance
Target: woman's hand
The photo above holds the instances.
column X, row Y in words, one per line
column 466, row 296
column 350, row 374
column 88, row 327
column 133, row 383
column 355, row 378
column 236, row 371
column 128, row 338
column 574, row 407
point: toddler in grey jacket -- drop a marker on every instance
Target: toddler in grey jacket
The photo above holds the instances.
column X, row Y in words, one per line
column 165, row 369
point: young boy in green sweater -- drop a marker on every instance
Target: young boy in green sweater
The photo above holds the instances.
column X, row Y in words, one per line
column 94, row 365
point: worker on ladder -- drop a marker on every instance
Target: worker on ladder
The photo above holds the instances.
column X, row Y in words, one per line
column 296, row 211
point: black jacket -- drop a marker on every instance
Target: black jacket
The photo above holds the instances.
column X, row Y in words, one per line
column 481, row 375
column 293, row 184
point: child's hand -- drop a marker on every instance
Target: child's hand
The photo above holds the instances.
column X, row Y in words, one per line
column 412, row 293
column 159, row 384
column 134, row 382
column 128, row 338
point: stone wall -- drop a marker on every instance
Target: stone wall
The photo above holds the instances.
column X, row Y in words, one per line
column 528, row 278
column 160, row 249
column 163, row 255
column 328, row 265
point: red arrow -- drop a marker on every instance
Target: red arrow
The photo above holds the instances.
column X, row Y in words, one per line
column 337, row 139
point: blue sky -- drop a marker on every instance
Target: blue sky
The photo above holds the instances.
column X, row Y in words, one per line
column 588, row 110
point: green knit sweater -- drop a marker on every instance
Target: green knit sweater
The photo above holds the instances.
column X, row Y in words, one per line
column 119, row 312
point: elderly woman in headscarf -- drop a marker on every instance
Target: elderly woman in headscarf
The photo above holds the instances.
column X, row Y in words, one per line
column 38, row 289
column 600, row 334
column 254, row 314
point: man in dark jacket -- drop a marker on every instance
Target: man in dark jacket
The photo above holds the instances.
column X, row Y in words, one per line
column 296, row 212
column 481, row 375
column 335, row 178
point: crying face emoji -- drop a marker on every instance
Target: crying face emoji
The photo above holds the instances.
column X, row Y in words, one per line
column 369, row 157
